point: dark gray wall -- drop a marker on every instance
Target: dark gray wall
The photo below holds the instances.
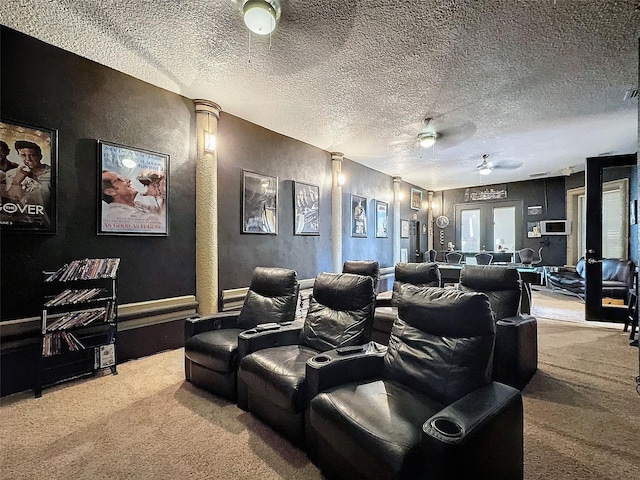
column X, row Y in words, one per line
column 44, row 86
column 549, row 192
column 243, row 145
column 373, row 185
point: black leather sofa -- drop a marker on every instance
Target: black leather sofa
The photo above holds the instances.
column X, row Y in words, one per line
column 419, row 274
column 617, row 278
column 399, row 413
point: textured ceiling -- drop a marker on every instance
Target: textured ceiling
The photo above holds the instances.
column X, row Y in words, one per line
column 534, row 84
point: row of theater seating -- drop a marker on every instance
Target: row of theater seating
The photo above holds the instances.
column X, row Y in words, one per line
column 425, row 406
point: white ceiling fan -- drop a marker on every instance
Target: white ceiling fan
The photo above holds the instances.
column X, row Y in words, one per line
column 486, row 167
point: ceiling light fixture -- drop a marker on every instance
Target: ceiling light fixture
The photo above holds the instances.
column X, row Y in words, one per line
column 261, row 16
column 485, row 169
column 427, row 139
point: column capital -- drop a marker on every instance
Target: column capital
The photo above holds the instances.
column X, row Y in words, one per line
column 337, row 156
column 397, row 179
column 207, row 106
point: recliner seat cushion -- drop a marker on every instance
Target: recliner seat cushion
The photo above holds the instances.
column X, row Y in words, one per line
column 379, row 422
column 335, row 319
column 272, row 297
column 278, row 374
column 215, row 349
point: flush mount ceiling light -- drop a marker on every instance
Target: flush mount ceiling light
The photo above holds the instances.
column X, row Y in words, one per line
column 261, row 16
column 427, row 139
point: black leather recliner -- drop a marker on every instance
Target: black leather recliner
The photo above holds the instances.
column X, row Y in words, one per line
column 271, row 375
column 420, row 274
column 516, row 352
column 211, row 343
column 424, row 409
column 369, row 268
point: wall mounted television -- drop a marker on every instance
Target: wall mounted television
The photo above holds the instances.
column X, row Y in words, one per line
column 555, row 227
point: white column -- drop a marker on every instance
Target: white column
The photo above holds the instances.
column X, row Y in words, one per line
column 430, row 240
column 336, row 211
column 396, row 219
column 207, row 115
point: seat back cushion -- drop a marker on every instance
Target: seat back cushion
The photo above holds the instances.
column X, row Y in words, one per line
column 502, row 285
column 369, row 268
column 340, row 311
column 272, row 297
column 618, row 270
column 442, row 342
column 419, row 274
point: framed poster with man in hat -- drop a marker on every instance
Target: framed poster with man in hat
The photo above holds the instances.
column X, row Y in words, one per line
column 28, row 169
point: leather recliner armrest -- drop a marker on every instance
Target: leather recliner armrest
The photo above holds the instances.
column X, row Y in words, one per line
column 253, row 340
column 510, row 322
column 194, row 326
column 330, row 368
column 480, row 435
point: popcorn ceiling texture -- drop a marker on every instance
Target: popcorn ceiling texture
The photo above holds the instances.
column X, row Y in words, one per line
column 537, row 82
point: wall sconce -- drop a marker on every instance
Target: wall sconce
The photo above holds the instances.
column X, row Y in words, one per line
column 209, row 138
column 341, row 179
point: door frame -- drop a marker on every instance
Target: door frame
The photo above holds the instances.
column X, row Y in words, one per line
column 594, row 310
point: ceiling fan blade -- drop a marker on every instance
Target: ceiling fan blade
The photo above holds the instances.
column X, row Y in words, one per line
column 455, row 135
column 507, row 165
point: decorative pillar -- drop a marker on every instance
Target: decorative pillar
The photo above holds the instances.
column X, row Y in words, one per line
column 207, row 116
column 396, row 219
column 336, row 211
column 430, row 215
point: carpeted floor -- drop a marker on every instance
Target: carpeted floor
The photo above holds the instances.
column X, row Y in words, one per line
column 581, row 421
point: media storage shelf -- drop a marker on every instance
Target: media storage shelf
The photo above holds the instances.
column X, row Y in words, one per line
column 79, row 321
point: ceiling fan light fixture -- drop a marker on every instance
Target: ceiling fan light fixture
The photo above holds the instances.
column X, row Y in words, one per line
column 484, row 170
column 427, row 139
column 261, row 16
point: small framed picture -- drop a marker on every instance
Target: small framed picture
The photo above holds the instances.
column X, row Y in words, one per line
column 416, row 199
column 259, row 203
column 404, row 255
column 534, row 210
column 633, row 212
column 404, row 228
column 28, row 177
column 358, row 216
column 533, row 230
column 382, row 219
column 133, row 191
column 306, row 204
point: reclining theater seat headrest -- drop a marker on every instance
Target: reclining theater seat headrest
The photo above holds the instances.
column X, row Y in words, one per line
column 419, row 274
column 340, row 311
column 442, row 342
column 369, row 268
column 501, row 284
column 272, row 297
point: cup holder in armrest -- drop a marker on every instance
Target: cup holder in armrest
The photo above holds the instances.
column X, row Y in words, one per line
column 507, row 321
column 320, row 359
column 447, row 427
column 253, row 331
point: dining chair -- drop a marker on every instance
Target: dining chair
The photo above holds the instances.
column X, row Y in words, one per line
column 526, row 256
column 484, row 258
column 453, row 257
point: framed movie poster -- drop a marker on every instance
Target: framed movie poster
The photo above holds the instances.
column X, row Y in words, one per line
column 416, row 199
column 358, row 216
column 28, row 177
column 404, row 228
column 259, row 203
column 382, row 219
column 306, row 204
column 133, row 191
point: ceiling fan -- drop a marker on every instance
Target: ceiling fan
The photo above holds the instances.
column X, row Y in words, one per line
column 486, row 167
column 432, row 133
